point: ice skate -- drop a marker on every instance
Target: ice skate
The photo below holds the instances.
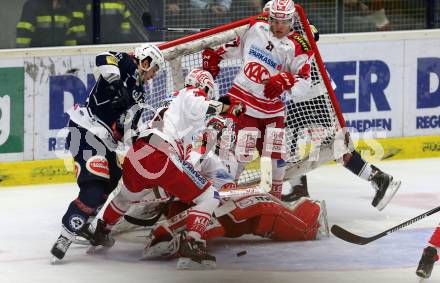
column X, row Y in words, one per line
column 101, row 240
column 61, row 246
column 426, row 263
column 385, row 188
column 193, row 255
column 298, row 191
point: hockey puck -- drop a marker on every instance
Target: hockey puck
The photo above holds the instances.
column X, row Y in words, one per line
column 242, row 253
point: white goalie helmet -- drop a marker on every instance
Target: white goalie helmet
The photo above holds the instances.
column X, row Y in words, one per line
column 267, row 6
column 201, row 79
column 282, row 10
column 148, row 50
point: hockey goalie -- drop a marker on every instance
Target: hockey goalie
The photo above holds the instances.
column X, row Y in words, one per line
column 255, row 212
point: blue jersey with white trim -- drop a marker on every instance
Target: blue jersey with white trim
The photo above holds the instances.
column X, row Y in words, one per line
column 114, row 68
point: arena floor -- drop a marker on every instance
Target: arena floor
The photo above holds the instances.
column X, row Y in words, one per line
column 30, row 218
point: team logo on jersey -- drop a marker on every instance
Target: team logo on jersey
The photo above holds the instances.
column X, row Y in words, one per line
column 76, row 222
column 98, row 165
column 256, row 72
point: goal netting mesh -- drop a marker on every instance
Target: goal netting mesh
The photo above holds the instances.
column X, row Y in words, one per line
column 312, row 121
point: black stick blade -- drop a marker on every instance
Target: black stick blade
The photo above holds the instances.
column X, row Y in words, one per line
column 347, row 236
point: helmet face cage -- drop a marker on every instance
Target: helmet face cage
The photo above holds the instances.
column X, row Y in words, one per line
column 203, row 80
column 223, row 130
column 282, row 10
column 153, row 54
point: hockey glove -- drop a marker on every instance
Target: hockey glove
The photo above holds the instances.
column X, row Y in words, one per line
column 122, row 100
column 236, row 109
column 277, row 84
column 211, row 59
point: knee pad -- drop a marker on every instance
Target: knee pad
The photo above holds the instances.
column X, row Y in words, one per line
column 92, row 194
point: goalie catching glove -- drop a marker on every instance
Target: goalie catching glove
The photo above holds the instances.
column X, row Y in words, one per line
column 211, row 60
column 277, row 84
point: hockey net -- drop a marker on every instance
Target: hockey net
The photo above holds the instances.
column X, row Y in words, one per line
column 313, row 119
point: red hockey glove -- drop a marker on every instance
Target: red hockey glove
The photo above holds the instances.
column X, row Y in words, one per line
column 210, row 62
column 277, row 84
column 236, row 109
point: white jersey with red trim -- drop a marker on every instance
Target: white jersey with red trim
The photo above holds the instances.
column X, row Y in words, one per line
column 264, row 56
column 184, row 117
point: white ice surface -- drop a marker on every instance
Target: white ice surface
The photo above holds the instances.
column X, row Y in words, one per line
column 30, row 222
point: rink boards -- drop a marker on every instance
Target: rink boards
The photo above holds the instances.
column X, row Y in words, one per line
column 373, row 150
column 393, row 86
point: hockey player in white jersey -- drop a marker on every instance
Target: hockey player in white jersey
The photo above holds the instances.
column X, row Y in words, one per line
column 275, row 61
column 158, row 158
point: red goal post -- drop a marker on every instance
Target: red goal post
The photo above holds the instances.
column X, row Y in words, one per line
column 314, row 119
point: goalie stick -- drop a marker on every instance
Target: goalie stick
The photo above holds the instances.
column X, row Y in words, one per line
column 223, row 194
column 347, row 236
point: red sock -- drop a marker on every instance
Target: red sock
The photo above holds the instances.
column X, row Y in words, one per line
column 435, row 238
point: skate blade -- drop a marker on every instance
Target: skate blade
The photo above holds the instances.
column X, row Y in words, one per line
column 185, row 263
column 422, row 274
column 389, row 194
column 54, row 260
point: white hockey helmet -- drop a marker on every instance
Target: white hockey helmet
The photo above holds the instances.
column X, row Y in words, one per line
column 283, row 10
column 201, row 79
column 267, row 6
column 148, row 50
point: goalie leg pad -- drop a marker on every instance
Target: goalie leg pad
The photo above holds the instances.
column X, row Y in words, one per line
column 299, row 224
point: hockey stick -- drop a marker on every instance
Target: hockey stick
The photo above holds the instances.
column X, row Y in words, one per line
column 147, row 22
column 150, row 221
column 347, row 236
column 223, row 194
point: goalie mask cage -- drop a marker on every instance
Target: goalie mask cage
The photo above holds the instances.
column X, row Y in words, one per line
column 313, row 120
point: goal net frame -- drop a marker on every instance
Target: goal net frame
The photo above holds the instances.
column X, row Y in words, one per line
column 315, row 143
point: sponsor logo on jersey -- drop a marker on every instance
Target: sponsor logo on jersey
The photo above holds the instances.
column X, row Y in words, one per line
column 263, row 56
column 76, row 222
column 111, row 60
column 98, row 165
column 187, row 168
column 304, row 44
column 256, row 72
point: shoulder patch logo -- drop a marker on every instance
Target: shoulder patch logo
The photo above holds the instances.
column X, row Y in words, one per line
column 261, row 18
column 111, row 60
column 304, row 44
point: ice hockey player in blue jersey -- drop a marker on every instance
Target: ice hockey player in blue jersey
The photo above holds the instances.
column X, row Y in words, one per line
column 94, row 132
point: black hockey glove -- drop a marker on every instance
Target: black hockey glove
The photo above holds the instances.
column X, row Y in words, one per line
column 122, row 100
